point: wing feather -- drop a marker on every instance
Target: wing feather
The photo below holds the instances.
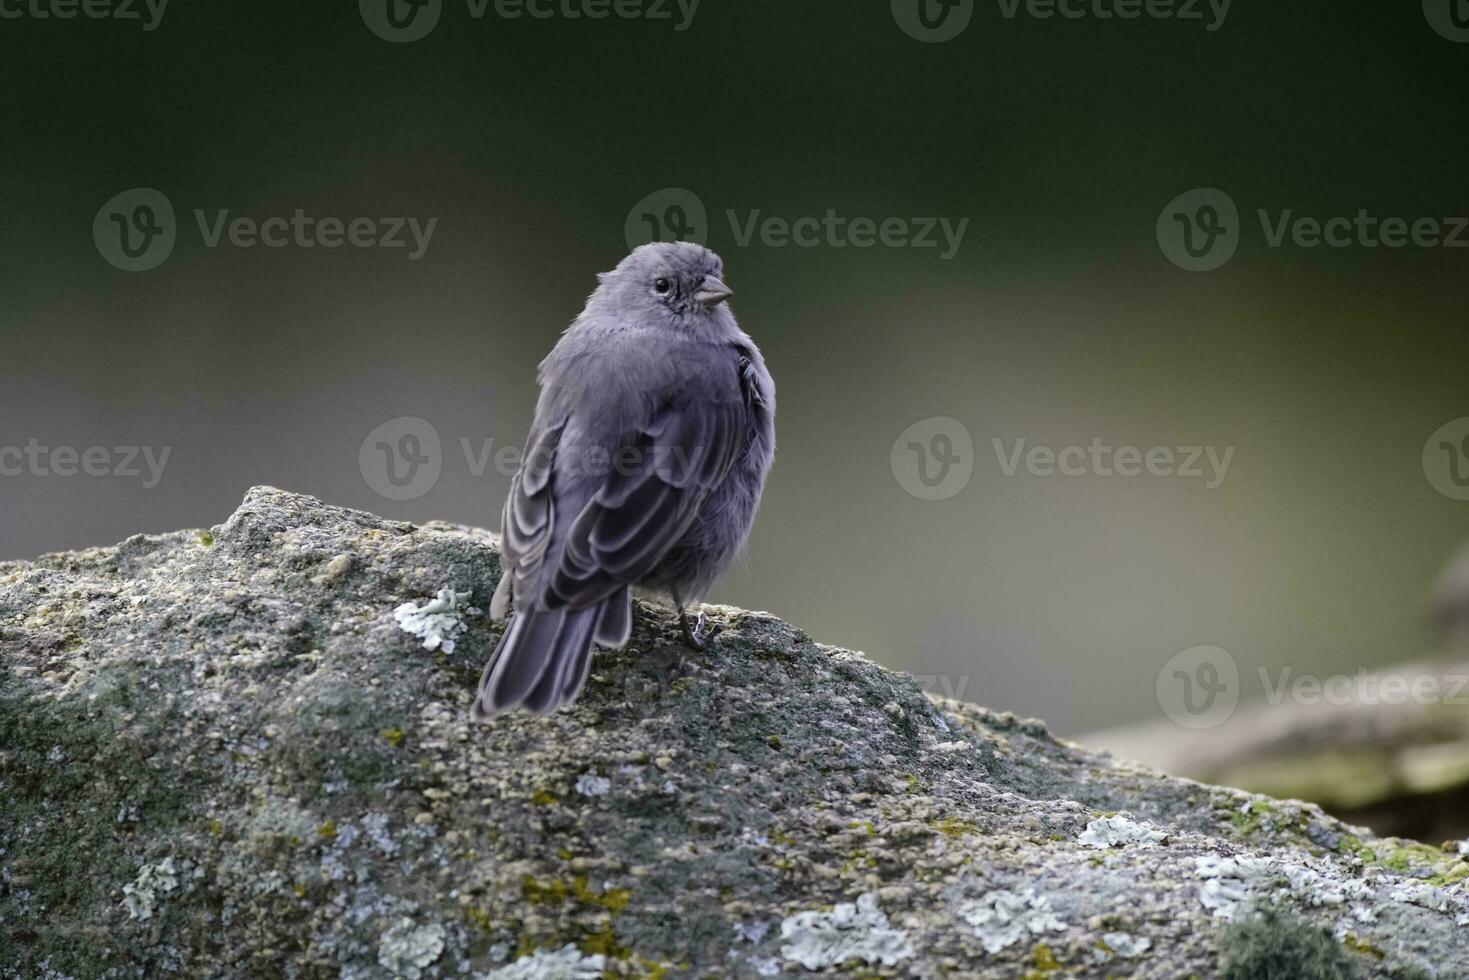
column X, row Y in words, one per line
column 648, row 501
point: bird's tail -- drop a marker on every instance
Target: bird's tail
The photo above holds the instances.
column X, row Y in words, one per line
column 543, row 659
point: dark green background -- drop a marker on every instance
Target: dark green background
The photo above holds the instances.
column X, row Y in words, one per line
column 1059, row 321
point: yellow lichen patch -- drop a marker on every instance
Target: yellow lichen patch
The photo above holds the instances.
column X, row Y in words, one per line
column 613, row 900
column 1360, row 945
column 328, row 830
column 537, row 892
column 657, row 971
column 542, row 797
column 480, row 918
column 951, row 827
column 604, row 943
column 551, row 893
column 1045, row 962
column 394, row 736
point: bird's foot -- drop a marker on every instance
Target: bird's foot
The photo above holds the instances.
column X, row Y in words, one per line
column 701, row 635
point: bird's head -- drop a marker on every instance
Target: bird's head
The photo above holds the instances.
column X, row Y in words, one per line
column 677, row 281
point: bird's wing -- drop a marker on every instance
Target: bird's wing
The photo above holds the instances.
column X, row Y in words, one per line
column 529, row 521
column 652, row 493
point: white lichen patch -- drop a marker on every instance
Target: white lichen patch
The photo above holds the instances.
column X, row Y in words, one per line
column 1123, row 944
column 437, row 622
column 949, row 748
column 566, row 963
column 1322, row 884
column 1003, row 918
column 1120, row 831
column 590, row 784
column 375, row 825
column 141, row 896
column 818, row 940
column 406, row 948
column 1229, row 883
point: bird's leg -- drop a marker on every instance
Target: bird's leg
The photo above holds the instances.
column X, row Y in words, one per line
column 701, row 634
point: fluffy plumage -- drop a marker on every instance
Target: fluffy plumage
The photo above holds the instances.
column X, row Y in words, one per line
column 644, row 466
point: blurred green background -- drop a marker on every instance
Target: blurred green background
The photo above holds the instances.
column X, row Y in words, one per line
column 1059, row 321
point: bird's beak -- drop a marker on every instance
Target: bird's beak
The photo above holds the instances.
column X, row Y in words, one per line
column 712, row 292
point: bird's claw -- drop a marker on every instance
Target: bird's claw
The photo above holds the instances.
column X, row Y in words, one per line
column 701, row 635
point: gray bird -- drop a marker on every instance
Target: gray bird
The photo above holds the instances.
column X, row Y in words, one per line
column 644, row 466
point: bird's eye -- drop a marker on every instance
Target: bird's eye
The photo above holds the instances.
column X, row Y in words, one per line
column 660, row 284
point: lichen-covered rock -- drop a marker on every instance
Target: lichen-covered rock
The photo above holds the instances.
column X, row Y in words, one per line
column 229, row 754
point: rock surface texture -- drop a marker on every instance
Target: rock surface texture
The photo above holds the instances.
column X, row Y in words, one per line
column 229, row 753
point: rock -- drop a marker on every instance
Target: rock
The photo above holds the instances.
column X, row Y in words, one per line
column 222, row 755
